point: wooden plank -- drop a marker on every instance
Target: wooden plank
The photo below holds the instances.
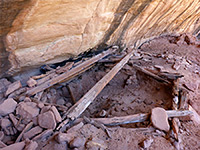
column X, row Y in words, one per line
column 156, row 77
column 139, row 117
column 67, row 75
column 77, row 109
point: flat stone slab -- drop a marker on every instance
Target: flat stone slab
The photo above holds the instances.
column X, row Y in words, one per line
column 159, row 119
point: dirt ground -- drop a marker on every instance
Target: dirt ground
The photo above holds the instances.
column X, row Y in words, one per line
column 129, row 92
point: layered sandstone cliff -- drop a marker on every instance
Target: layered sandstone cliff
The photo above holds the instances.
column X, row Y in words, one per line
column 39, row 32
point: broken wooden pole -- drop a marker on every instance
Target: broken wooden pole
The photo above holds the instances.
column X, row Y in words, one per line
column 156, row 77
column 139, row 117
column 67, row 75
column 77, row 109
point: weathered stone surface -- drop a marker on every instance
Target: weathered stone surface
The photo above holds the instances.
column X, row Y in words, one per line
column 47, row 120
column 31, row 146
column 31, row 82
column 4, row 83
column 65, row 137
column 51, row 31
column 77, row 142
column 56, row 113
column 8, row 106
column 31, row 133
column 16, row 146
column 12, row 87
column 147, row 143
column 27, row 110
column 159, row 119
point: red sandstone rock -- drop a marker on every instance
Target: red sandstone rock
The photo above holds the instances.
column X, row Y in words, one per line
column 31, row 82
column 8, row 106
column 31, row 146
column 56, row 113
column 77, row 142
column 15, row 146
column 27, row 110
column 159, row 119
column 65, row 137
column 147, row 143
column 13, row 87
column 31, row 133
column 47, row 120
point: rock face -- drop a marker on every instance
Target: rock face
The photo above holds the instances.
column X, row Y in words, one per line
column 52, row 31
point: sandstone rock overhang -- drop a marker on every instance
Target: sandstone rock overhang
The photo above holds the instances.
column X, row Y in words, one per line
column 51, row 31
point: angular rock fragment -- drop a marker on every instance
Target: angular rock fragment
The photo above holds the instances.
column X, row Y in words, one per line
column 27, row 110
column 45, row 109
column 31, row 146
column 4, row 83
column 31, row 82
column 56, row 113
column 19, row 127
column 44, row 135
column 47, row 120
column 65, row 137
column 159, row 119
column 31, row 133
column 8, row 106
column 96, row 144
column 77, row 142
column 13, row 87
column 15, row 146
column 5, row 124
column 147, row 143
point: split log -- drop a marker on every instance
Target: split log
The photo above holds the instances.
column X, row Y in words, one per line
column 67, row 75
column 77, row 109
column 156, row 77
column 139, row 117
